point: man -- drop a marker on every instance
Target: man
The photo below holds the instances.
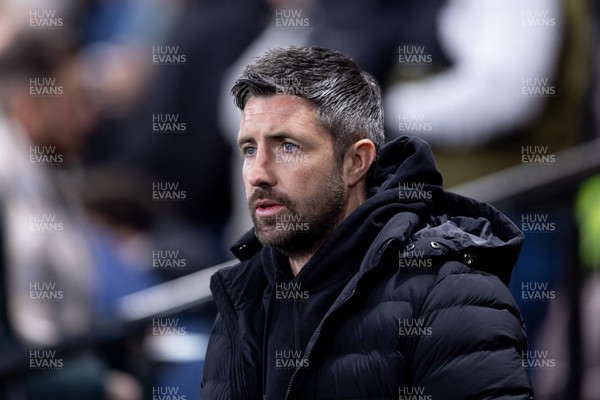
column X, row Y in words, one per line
column 362, row 278
column 47, row 268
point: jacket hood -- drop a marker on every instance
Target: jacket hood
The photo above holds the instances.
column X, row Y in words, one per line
column 406, row 182
column 404, row 160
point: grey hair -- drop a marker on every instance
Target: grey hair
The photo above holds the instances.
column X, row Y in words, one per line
column 347, row 99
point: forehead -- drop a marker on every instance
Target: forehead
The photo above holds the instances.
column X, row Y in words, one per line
column 274, row 111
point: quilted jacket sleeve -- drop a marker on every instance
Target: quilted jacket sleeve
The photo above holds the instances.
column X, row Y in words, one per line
column 475, row 342
column 215, row 384
column 232, row 363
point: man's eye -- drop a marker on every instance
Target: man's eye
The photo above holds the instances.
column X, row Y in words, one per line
column 249, row 151
column 290, row 147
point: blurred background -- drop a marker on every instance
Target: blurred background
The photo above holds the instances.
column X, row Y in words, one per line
column 120, row 190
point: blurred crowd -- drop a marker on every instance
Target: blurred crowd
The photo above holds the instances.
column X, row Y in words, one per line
column 118, row 165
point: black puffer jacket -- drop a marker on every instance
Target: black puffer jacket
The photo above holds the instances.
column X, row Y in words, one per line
column 406, row 299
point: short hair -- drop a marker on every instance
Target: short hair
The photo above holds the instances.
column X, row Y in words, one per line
column 347, row 99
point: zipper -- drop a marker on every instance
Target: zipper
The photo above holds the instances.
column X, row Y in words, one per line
column 331, row 311
column 265, row 336
column 297, row 336
column 287, row 393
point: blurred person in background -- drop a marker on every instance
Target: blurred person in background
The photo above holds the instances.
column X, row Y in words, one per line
column 48, row 266
column 44, row 119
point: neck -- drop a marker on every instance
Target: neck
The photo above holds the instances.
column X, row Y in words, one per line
column 298, row 260
column 296, row 263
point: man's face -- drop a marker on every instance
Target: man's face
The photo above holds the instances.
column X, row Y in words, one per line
column 295, row 189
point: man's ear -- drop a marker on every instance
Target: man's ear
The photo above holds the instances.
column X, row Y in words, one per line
column 358, row 160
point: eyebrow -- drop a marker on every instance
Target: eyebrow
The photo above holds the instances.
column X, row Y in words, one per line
column 244, row 139
column 277, row 136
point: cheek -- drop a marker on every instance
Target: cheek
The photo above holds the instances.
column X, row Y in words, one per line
column 247, row 186
column 303, row 182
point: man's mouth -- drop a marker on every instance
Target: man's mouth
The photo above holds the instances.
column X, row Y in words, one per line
column 267, row 208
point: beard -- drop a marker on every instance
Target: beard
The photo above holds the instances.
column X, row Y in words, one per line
column 302, row 226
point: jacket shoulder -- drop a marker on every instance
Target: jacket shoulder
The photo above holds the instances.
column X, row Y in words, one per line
column 477, row 337
column 238, row 282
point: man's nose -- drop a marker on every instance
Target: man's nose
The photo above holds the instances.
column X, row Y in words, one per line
column 261, row 171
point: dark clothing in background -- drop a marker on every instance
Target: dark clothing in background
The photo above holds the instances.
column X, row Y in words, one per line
column 371, row 32
column 441, row 263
